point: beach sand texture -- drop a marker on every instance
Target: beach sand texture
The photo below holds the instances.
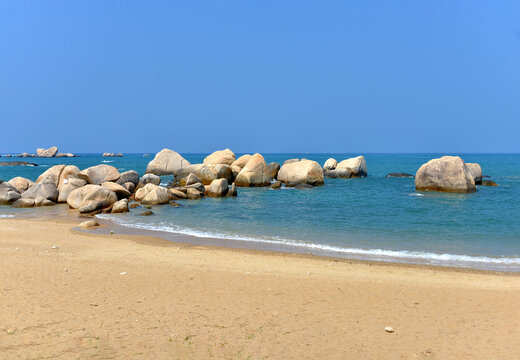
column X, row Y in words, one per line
column 123, row 297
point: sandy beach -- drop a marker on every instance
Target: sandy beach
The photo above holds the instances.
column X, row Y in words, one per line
column 71, row 295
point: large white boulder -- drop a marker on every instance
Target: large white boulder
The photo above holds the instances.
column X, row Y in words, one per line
column 357, row 166
column 301, row 172
column 50, row 152
column 167, row 162
column 254, row 173
column 448, row 174
column 91, row 198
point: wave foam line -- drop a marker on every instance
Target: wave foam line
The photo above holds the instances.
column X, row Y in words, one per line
column 6, row 216
column 433, row 258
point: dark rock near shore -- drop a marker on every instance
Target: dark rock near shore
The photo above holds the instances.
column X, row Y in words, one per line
column 276, row 185
column 129, row 176
column 147, row 213
column 16, row 163
column 399, row 175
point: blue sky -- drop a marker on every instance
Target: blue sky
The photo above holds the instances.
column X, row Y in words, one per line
column 260, row 76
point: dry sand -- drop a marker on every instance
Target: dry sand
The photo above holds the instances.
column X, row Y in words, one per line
column 124, row 297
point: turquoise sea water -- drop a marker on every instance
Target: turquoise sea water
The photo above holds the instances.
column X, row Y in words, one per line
column 374, row 218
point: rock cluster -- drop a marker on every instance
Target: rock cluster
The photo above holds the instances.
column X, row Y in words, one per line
column 112, row 155
column 353, row 167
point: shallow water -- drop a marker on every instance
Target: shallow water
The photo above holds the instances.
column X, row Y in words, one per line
column 372, row 218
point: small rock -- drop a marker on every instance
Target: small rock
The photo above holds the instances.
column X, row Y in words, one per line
column 111, row 232
column 66, row 269
column 389, row 329
column 55, row 247
column 122, row 273
column 147, row 213
column 89, row 223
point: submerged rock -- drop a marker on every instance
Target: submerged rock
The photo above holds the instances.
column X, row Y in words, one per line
column 17, row 163
column 488, row 183
column 146, row 213
column 399, row 175
column 448, row 174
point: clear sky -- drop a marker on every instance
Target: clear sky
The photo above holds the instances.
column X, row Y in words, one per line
column 260, row 76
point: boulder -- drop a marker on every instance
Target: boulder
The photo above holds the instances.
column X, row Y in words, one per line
column 357, row 166
column 26, row 202
column 301, row 172
column 119, row 190
column 152, row 194
column 99, row 174
column 192, row 179
column 201, row 188
column 146, row 213
column 67, row 186
column 235, row 170
column 241, row 161
column 167, row 162
column 272, row 170
column 475, row 171
column 130, row 186
column 177, row 195
column 130, row 176
column 8, row 194
column 45, row 189
column 20, row 184
column 206, row 173
column 337, row 173
column 17, row 163
column 194, row 194
column 91, row 198
column 88, row 223
column 255, row 173
column 232, row 190
column 448, row 174
column 289, row 161
column 330, row 164
column 120, row 206
column 226, row 157
column 52, row 173
column 23, row 203
column 218, row 188
column 149, row 179
column 399, row 175
column 50, row 152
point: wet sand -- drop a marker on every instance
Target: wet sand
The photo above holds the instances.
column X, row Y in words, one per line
column 133, row 297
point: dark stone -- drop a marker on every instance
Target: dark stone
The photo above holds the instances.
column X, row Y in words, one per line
column 134, row 205
column 276, row 185
column 16, row 163
column 303, row 186
column 488, row 183
column 147, row 213
column 399, row 175
column 174, row 204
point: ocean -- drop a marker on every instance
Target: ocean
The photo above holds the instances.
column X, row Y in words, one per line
column 372, row 218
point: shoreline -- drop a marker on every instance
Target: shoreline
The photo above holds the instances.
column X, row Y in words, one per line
column 73, row 294
column 65, row 214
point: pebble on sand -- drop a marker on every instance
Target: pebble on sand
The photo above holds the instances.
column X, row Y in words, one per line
column 389, row 329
